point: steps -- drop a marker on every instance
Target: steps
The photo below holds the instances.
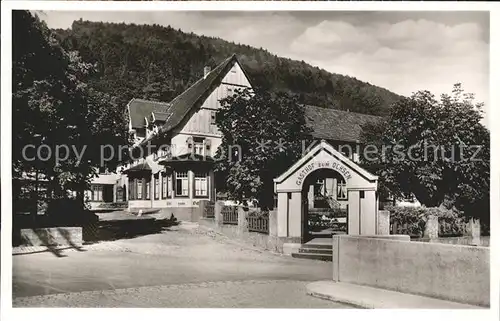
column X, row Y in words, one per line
column 321, row 252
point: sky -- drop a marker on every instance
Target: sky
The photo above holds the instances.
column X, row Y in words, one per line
column 401, row 51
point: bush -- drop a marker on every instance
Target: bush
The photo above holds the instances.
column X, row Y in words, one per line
column 414, row 219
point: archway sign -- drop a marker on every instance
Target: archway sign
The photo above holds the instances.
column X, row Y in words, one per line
column 362, row 202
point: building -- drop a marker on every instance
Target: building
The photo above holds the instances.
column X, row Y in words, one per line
column 179, row 173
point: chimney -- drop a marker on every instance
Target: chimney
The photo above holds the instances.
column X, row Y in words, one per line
column 206, row 71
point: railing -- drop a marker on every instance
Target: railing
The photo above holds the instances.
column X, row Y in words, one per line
column 209, row 210
column 414, row 230
column 452, row 229
column 230, row 215
column 258, row 222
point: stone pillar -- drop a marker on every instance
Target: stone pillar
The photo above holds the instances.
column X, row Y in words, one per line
column 273, row 223
column 368, row 213
column 282, row 215
column 384, row 223
column 242, row 220
column 218, row 213
column 336, row 257
column 199, row 212
column 295, row 216
column 353, row 214
column 431, row 227
column 474, row 231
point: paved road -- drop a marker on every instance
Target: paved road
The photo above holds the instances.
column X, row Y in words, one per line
column 183, row 267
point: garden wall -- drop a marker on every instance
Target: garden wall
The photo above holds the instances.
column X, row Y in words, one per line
column 56, row 236
column 450, row 272
column 460, row 240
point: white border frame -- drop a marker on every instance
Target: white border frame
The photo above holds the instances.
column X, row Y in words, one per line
column 7, row 313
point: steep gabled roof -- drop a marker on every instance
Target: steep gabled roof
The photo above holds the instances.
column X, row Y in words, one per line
column 175, row 111
column 141, row 108
column 339, row 125
column 183, row 103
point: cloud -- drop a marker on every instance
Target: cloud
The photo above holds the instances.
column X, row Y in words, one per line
column 404, row 56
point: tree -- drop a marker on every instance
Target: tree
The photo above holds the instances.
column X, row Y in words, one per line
column 53, row 106
column 262, row 137
column 437, row 150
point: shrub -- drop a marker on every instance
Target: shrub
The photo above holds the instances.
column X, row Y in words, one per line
column 414, row 219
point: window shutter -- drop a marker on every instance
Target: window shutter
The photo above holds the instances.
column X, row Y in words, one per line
column 208, row 147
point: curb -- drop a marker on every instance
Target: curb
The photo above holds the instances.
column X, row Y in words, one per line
column 356, row 304
column 20, row 250
column 366, row 297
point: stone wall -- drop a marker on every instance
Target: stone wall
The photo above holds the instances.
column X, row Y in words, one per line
column 459, row 240
column 56, row 236
column 450, row 272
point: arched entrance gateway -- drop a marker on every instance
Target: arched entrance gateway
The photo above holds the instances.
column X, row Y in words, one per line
column 324, row 178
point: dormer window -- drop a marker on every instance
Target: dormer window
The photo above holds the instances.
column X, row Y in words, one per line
column 198, row 143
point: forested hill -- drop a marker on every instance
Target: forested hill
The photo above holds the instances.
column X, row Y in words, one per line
column 158, row 63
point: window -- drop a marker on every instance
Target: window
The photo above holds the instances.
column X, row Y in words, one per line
column 156, row 182
column 361, row 194
column 139, row 189
column 181, row 184
column 341, row 190
column 165, row 185
column 96, row 194
column 148, row 186
column 131, row 189
column 201, row 184
column 163, row 152
column 319, row 188
column 198, row 148
column 213, row 115
column 198, row 145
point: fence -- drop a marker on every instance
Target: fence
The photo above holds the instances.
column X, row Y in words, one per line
column 452, row 228
column 230, row 215
column 404, row 229
column 209, row 210
column 258, row 222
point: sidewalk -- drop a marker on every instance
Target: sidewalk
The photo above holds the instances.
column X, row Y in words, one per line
column 374, row 298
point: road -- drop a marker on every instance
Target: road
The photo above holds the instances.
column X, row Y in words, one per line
column 182, row 267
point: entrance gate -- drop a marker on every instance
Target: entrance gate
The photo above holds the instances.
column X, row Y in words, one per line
column 293, row 186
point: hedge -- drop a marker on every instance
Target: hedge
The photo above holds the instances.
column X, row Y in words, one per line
column 414, row 219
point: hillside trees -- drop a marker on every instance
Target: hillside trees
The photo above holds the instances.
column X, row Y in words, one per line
column 435, row 149
column 155, row 62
